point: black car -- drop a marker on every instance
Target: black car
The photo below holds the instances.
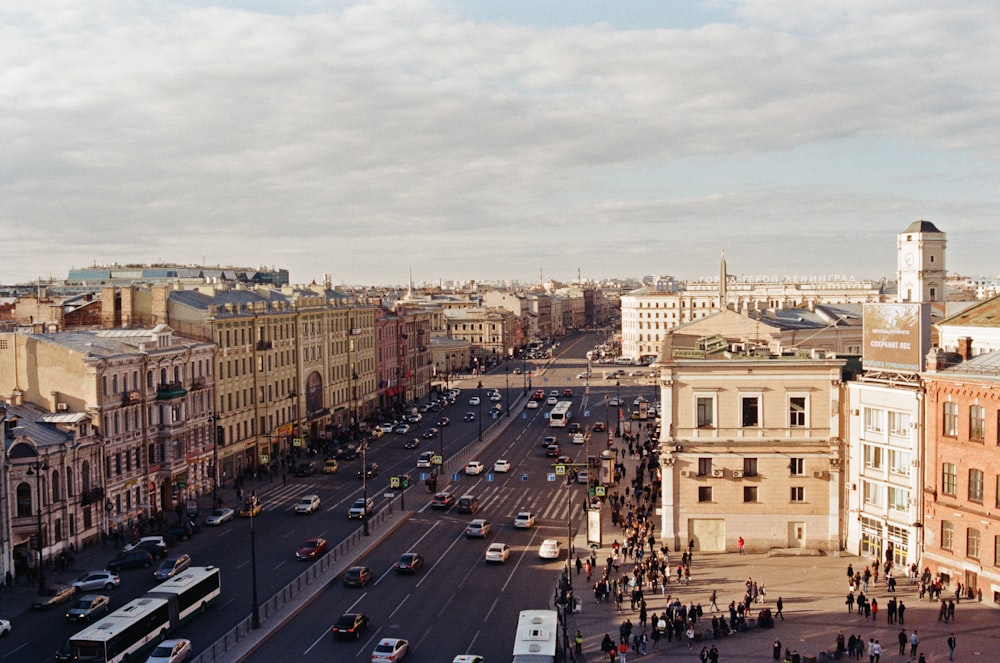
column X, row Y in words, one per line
column 65, row 653
column 443, row 421
column 157, row 550
column 431, row 433
column 347, row 453
column 469, row 416
column 305, row 469
column 350, row 625
column 358, row 576
column 410, row 562
column 369, row 471
column 412, row 443
column 184, row 530
column 133, row 559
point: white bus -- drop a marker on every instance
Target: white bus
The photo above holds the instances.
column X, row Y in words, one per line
column 536, row 639
column 140, row 624
column 560, row 414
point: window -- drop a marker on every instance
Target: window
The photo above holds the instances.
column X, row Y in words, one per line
column 750, row 411
column 796, row 411
column 899, row 462
column 977, row 423
column 972, row 543
column 872, row 493
column 706, row 411
column 704, row 467
column 996, row 550
column 874, row 420
column 899, row 423
column 749, row 493
column 796, row 466
column 798, row 494
column 873, row 457
column 976, row 485
column 950, row 420
column 949, row 479
column 23, row 500
column 947, row 535
column 899, row 499
column 749, row 467
column 704, row 493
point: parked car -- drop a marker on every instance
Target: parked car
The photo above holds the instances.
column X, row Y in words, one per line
column 330, row 466
column 133, row 559
column 409, row 562
column 550, row 549
column 443, row 500
column 87, row 607
column 312, row 549
column 390, row 650
column 94, row 581
column 357, row 576
column 53, row 595
column 307, row 504
column 171, row 651
column 478, row 529
column 171, row 567
column 497, row 552
column 361, row 508
column 402, row 429
column 219, row 516
column 350, row 625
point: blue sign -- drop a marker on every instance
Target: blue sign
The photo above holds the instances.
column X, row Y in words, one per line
column 552, row 476
column 423, row 476
column 524, row 477
column 454, row 477
column 490, row 476
column 586, row 413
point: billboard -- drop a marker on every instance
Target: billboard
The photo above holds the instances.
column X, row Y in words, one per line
column 897, row 337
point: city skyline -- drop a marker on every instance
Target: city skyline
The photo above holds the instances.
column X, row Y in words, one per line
column 497, row 142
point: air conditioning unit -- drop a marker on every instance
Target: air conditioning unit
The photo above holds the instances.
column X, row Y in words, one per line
column 819, row 475
column 62, row 407
column 685, row 473
column 718, row 473
column 737, row 474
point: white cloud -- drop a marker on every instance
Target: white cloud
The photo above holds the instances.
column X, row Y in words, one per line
column 363, row 139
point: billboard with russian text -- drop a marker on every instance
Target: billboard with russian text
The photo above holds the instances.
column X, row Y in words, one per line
column 897, row 337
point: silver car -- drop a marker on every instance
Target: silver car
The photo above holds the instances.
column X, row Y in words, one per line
column 94, row 581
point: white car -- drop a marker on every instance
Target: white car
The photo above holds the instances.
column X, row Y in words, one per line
column 387, row 427
column 497, row 552
column 531, row 405
column 4, row 627
column 496, row 397
column 155, row 540
column 474, row 467
column 474, row 400
column 577, row 438
column 502, row 465
column 550, row 549
column 171, row 651
column 524, row 520
column 425, row 459
column 552, row 400
column 583, row 476
column 95, row 581
column 219, row 516
column 390, row 650
column 468, row 658
column 308, row 504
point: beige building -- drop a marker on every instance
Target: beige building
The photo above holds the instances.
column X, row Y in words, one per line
column 750, row 447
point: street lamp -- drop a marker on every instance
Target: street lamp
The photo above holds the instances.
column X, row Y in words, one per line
column 35, row 469
column 618, row 411
column 480, row 417
column 217, row 431
column 255, row 603
column 524, row 372
column 506, row 379
column 364, row 487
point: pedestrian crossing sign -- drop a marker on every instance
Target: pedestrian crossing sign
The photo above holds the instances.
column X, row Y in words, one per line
column 560, row 470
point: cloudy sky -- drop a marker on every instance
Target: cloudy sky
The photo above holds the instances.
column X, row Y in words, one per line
column 497, row 140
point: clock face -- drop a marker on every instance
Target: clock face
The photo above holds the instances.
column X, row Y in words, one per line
column 908, row 259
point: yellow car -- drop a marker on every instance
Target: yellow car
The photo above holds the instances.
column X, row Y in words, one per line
column 251, row 508
column 330, row 466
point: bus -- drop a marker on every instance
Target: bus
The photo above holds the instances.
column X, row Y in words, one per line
column 560, row 414
column 536, row 639
column 145, row 621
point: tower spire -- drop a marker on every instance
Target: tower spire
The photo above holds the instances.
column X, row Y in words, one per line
column 723, row 279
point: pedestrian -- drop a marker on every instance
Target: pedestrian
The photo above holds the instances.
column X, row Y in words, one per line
column 902, row 641
column 703, row 655
column 622, row 652
column 579, row 565
column 876, row 652
column 578, row 641
column 779, row 606
column 914, row 643
column 689, row 634
column 713, row 605
column 850, row 601
column 899, row 612
column 874, row 610
column 776, row 649
column 608, row 647
column 739, row 544
column 951, row 647
column 951, row 612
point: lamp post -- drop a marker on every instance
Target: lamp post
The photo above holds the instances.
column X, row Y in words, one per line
column 440, row 449
column 480, row 417
column 255, row 604
column 524, row 372
column 217, row 432
column 506, row 380
column 35, row 469
column 618, row 410
column 364, row 487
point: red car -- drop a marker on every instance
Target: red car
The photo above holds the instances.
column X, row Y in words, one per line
column 599, row 427
column 311, row 549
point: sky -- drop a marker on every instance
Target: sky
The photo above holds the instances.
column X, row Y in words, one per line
column 489, row 140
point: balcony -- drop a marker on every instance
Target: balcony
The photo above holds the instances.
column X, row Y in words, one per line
column 166, row 391
column 263, row 345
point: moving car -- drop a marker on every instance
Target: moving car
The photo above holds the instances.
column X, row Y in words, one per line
column 171, row 651
column 146, row 539
column 552, row 450
column 410, row 562
column 478, row 529
column 156, row 549
column 468, row 504
column 442, row 500
column 171, row 567
column 431, row 433
column 251, row 508
column 582, row 476
column 350, row 625
column 311, row 549
column 390, row 650
column 599, row 427
column 531, row 405
column 97, row 580
column 307, row 504
column 498, row 553
column 474, row 467
column 443, row 421
column 468, row 658
column 502, row 465
column 330, row 466
column 4, row 627
column 469, row 416
column 368, row 471
column 474, row 400
column 412, row 443
column 357, row 576
column 133, row 559
column 567, row 393
column 425, row 459
column 219, row 516
column 550, row 549
column 576, row 438
column 361, row 508
column 305, row 469
column 53, row 595
column 552, row 400
column 524, row 520
column 402, row 429
column 184, row 530
column 387, row 427
column 87, row 607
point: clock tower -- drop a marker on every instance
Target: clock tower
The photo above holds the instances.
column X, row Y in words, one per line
column 920, row 272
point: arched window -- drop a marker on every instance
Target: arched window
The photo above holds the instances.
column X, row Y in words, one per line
column 23, row 500
column 55, row 486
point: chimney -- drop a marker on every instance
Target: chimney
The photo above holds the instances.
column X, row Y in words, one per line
column 965, row 348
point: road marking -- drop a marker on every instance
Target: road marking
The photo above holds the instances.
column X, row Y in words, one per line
column 400, row 605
